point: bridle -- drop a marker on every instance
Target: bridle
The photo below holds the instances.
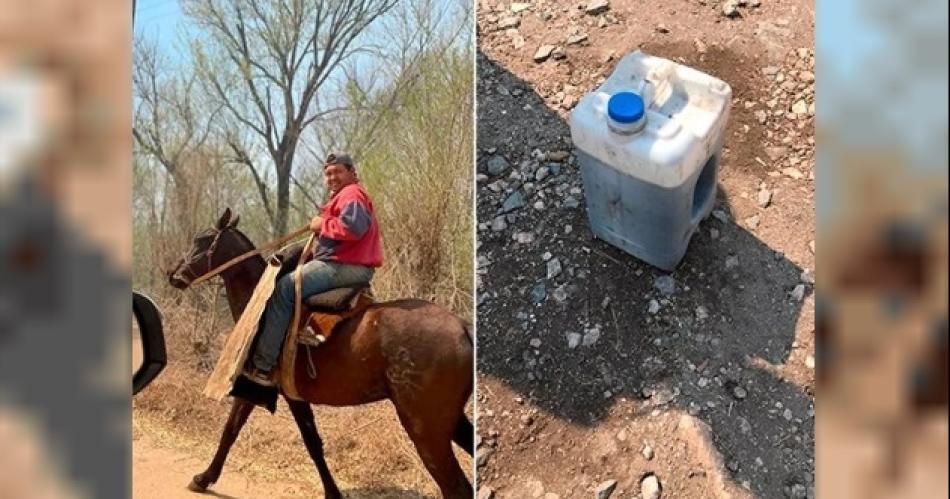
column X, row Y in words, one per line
column 209, row 253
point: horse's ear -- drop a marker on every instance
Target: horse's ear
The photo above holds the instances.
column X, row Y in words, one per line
column 234, row 221
column 225, row 218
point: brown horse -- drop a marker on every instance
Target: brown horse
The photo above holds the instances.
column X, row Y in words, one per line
column 412, row 352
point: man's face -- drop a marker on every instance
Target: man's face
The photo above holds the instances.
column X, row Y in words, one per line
column 338, row 177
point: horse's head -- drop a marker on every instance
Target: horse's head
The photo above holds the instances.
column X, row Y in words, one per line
column 208, row 250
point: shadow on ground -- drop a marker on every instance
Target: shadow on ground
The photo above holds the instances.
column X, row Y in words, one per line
column 713, row 347
column 382, row 493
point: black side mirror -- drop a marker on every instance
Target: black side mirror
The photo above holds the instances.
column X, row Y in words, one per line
column 152, row 340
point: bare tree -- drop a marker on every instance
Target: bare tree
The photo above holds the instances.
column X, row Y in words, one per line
column 167, row 125
column 266, row 64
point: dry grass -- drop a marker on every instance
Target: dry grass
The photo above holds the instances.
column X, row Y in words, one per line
column 366, row 447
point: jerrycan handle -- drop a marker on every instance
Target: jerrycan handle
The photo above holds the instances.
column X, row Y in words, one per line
column 661, row 78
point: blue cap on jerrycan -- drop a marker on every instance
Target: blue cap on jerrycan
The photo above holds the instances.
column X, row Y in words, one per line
column 626, row 110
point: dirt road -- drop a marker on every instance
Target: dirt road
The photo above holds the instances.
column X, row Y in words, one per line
column 160, row 473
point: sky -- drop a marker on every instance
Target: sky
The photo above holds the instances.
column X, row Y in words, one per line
column 161, row 20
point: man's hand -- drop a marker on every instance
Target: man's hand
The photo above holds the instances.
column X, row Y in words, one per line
column 316, row 223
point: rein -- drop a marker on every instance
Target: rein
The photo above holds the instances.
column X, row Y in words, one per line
column 240, row 258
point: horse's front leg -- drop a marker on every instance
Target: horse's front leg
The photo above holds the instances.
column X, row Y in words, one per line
column 303, row 414
column 240, row 410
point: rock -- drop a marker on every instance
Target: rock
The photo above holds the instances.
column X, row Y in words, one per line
column 713, row 233
column 800, row 107
column 662, row 28
column 571, row 203
column 485, row 492
column 761, row 116
column 662, row 396
column 798, row 292
column 811, row 246
column 554, row 268
column 517, row 7
column 555, row 168
column 665, row 284
column 810, row 361
column 559, row 294
column 755, row 3
column 523, row 237
column 541, row 174
column 806, row 76
column 739, row 393
column 497, row 165
column 558, row 54
column 517, row 41
column 732, row 261
column 796, row 491
column 794, row 173
column 573, row 339
column 693, row 409
column 701, row 313
column 764, row 198
column 788, row 415
column 569, row 102
column 514, row 202
column 590, row 337
column 605, row 488
column 752, row 222
column 535, row 489
column 770, row 71
column 653, row 307
column 699, row 46
column 730, row 8
column 807, row 277
column 535, row 342
column 557, row 155
column 509, row 22
column 744, row 426
column 650, row 487
column 647, row 452
column 527, row 420
column 483, row 454
column 538, row 293
column 776, row 153
column 575, row 39
column 544, row 51
column 721, row 216
column 733, row 465
column 595, row 7
column 499, row 224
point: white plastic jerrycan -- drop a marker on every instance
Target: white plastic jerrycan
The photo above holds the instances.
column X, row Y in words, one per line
column 648, row 143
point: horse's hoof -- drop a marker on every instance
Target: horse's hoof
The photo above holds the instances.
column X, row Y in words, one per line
column 333, row 495
column 198, row 484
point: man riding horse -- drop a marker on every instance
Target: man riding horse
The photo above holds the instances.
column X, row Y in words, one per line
column 348, row 252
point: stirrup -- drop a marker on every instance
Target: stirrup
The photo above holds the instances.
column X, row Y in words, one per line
column 310, row 338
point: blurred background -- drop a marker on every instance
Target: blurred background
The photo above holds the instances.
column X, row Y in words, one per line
column 881, row 314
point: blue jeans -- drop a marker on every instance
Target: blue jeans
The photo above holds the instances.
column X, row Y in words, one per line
column 316, row 277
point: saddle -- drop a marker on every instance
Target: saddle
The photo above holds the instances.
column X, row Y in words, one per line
column 323, row 312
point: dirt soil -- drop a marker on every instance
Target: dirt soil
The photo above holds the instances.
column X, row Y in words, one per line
column 589, row 374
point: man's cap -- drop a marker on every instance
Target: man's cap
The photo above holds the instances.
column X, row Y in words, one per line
column 339, row 158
